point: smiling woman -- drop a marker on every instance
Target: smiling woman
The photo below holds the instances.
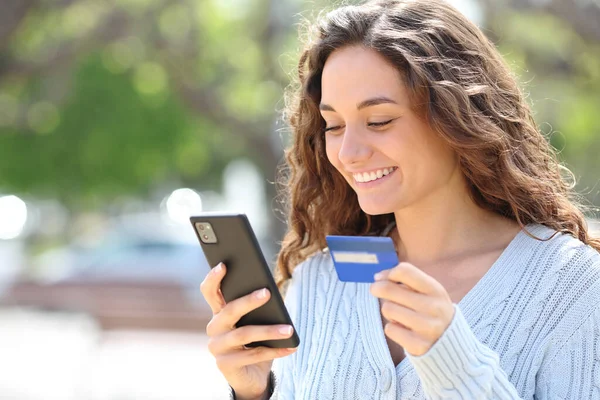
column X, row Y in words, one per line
column 407, row 123
column 382, row 132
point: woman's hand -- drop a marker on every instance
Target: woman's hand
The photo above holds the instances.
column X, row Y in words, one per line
column 245, row 369
column 417, row 307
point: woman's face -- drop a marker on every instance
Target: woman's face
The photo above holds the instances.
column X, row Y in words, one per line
column 390, row 157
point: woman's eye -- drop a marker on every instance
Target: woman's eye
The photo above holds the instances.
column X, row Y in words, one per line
column 379, row 124
column 332, row 128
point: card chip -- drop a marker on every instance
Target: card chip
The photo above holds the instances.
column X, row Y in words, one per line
column 353, row 257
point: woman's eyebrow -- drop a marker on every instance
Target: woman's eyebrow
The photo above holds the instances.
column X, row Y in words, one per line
column 363, row 104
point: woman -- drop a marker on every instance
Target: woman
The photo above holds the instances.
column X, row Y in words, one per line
column 408, row 123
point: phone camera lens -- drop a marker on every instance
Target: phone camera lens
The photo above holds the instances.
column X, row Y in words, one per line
column 201, row 227
column 205, row 237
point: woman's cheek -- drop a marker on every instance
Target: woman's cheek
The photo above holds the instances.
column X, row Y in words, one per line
column 332, row 151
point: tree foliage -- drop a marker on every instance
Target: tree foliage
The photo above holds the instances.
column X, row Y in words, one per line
column 101, row 99
column 560, row 72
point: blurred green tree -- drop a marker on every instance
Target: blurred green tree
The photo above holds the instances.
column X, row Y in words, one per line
column 99, row 99
column 554, row 49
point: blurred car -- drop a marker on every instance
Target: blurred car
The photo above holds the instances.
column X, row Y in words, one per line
column 144, row 274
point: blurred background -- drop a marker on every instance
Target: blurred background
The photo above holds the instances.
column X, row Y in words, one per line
column 119, row 119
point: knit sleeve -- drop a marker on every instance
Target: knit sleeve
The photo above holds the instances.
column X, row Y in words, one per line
column 574, row 370
column 459, row 366
column 284, row 368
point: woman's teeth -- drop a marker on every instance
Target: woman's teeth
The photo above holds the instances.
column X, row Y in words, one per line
column 374, row 175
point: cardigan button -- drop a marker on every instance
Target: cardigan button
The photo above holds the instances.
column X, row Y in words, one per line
column 386, row 380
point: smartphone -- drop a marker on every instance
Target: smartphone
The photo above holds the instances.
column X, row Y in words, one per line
column 229, row 238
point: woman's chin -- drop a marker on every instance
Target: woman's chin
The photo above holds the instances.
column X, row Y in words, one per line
column 373, row 208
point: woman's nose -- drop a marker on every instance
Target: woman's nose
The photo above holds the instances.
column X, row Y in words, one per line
column 354, row 148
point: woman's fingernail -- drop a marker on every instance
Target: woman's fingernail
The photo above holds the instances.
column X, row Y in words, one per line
column 261, row 294
column 218, row 268
column 285, row 330
column 378, row 276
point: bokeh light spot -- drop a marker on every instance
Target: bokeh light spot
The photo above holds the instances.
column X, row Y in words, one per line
column 183, row 203
column 150, row 78
column 43, row 117
column 175, row 22
column 8, row 109
column 13, row 214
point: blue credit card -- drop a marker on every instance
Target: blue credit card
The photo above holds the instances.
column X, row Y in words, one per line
column 359, row 258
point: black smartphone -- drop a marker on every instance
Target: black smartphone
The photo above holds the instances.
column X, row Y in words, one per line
column 229, row 238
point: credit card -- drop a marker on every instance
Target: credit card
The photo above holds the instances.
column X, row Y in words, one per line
column 359, row 258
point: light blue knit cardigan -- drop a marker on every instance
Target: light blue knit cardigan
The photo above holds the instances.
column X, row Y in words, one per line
column 529, row 329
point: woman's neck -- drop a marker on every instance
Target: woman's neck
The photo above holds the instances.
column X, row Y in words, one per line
column 448, row 227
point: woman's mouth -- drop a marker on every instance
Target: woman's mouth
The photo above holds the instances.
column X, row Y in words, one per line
column 373, row 176
column 366, row 177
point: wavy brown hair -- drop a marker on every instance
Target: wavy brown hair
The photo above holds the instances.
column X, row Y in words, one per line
column 457, row 82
